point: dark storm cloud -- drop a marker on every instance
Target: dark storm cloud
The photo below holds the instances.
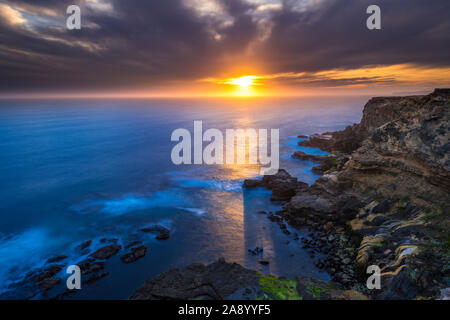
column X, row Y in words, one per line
column 155, row 41
column 413, row 31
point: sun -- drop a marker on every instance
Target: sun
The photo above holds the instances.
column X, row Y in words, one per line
column 243, row 82
column 242, row 86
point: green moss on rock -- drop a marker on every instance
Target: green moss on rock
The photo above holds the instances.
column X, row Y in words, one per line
column 279, row 288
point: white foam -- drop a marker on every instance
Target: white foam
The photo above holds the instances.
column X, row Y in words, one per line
column 197, row 211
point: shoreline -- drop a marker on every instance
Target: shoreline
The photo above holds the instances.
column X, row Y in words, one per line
column 365, row 209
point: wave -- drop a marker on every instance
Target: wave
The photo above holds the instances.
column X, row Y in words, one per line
column 21, row 252
column 133, row 202
column 197, row 211
column 221, row 185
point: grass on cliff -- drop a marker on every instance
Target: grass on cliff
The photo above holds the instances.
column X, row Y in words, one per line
column 278, row 289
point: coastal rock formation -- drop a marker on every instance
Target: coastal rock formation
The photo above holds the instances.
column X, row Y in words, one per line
column 391, row 196
column 282, row 184
column 230, row 281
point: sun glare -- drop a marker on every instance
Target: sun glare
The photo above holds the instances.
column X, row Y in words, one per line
column 243, row 82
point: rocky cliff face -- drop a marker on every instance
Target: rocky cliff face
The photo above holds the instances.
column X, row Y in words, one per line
column 392, row 195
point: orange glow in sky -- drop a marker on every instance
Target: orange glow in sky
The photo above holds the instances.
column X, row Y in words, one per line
column 244, row 81
column 370, row 80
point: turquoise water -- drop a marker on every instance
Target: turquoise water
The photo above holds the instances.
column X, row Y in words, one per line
column 78, row 170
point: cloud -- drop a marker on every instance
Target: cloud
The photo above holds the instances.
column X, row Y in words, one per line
column 151, row 43
column 11, row 15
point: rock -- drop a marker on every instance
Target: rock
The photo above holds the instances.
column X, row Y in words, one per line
column 309, row 157
column 163, row 233
column 106, row 252
column 163, row 236
column 48, row 283
column 44, row 273
column 56, row 259
column 379, row 220
column 95, row 277
column 384, row 206
column 398, row 285
column 132, row 244
column 135, row 254
column 218, row 280
column 275, row 218
column 84, row 245
column 44, row 278
column 312, row 289
column 282, row 184
column 256, row 251
column 89, row 265
column 230, row 281
column 252, row 183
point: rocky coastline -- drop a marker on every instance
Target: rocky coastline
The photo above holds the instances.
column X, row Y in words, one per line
column 383, row 200
column 91, row 256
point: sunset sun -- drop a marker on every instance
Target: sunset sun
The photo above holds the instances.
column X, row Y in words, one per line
column 243, row 82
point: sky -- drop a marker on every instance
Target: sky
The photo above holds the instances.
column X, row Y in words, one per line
column 176, row 48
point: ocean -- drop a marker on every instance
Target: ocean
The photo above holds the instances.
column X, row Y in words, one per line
column 77, row 170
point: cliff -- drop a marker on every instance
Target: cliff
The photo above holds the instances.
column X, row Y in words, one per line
column 391, row 195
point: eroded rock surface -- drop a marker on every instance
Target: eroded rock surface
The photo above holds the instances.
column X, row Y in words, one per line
column 282, row 184
column 391, row 196
column 221, row 280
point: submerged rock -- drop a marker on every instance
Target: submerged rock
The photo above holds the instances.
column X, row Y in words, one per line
column 135, row 254
column 309, row 157
column 84, row 245
column 132, row 244
column 256, row 251
column 89, row 265
column 106, row 252
column 95, row 277
column 162, row 232
column 56, row 259
column 48, row 283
